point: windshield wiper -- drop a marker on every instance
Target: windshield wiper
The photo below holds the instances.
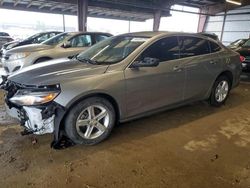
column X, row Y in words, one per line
column 86, row 60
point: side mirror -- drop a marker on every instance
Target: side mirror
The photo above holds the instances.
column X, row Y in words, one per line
column 146, row 62
column 66, row 44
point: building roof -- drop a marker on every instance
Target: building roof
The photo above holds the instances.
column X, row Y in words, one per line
column 134, row 10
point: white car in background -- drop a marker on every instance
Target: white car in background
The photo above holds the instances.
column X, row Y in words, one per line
column 62, row 45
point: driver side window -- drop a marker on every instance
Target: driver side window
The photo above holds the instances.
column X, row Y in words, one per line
column 80, row 41
column 164, row 50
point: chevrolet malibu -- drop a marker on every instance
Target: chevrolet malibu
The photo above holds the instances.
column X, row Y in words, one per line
column 120, row 79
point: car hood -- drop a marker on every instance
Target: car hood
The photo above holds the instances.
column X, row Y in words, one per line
column 11, row 45
column 12, row 42
column 56, row 71
column 29, row 48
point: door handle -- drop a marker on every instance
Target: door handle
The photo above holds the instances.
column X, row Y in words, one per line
column 213, row 62
column 177, row 69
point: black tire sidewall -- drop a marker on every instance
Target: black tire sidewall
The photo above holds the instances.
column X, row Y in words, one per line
column 213, row 100
column 71, row 118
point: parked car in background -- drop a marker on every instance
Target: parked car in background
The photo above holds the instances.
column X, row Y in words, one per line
column 4, row 34
column 211, row 35
column 62, row 45
column 34, row 39
column 119, row 79
column 4, row 40
column 244, row 51
column 236, row 44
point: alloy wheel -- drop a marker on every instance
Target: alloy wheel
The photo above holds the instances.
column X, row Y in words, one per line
column 222, row 91
column 92, row 122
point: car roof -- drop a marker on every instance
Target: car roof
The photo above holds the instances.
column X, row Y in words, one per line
column 81, row 32
column 146, row 33
column 4, row 34
column 50, row 32
column 151, row 34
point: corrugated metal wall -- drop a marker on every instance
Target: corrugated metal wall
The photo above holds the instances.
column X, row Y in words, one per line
column 236, row 26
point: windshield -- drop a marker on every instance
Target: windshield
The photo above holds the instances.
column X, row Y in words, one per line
column 57, row 39
column 112, row 50
column 33, row 36
column 247, row 43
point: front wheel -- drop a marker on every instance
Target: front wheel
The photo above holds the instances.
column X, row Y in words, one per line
column 90, row 121
column 220, row 91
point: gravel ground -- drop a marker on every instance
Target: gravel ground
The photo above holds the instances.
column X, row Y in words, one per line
column 195, row 146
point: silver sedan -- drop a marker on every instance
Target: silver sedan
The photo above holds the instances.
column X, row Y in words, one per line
column 60, row 46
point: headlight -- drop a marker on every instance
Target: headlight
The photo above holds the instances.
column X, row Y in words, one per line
column 24, row 98
column 19, row 55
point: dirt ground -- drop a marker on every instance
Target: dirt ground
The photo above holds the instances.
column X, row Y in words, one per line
column 196, row 146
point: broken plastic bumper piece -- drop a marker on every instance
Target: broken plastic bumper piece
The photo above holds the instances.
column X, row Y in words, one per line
column 34, row 107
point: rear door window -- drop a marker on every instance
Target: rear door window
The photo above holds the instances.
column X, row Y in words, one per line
column 81, row 41
column 193, row 46
column 214, row 47
column 165, row 50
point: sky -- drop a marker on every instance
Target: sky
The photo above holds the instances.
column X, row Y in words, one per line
column 31, row 22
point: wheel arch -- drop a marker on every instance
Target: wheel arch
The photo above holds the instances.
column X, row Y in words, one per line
column 43, row 57
column 101, row 95
column 228, row 74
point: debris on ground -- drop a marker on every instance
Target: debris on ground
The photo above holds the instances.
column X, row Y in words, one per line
column 12, row 159
column 34, row 140
column 215, row 157
column 23, row 167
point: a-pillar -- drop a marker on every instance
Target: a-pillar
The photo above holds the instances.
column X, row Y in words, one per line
column 82, row 14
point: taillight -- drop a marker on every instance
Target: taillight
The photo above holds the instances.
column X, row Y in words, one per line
column 242, row 58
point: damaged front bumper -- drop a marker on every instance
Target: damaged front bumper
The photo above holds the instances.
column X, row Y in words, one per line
column 36, row 119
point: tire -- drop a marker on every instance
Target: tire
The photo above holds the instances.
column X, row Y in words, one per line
column 82, row 114
column 219, row 99
column 40, row 60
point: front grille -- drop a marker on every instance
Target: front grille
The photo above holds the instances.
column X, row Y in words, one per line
column 6, row 56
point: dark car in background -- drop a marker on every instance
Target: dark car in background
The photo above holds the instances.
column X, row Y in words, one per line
column 237, row 44
column 4, row 40
column 244, row 51
column 34, row 39
column 4, row 37
column 4, row 34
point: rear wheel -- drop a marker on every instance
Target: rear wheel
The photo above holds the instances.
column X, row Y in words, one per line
column 90, row 121
column 220, row 91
